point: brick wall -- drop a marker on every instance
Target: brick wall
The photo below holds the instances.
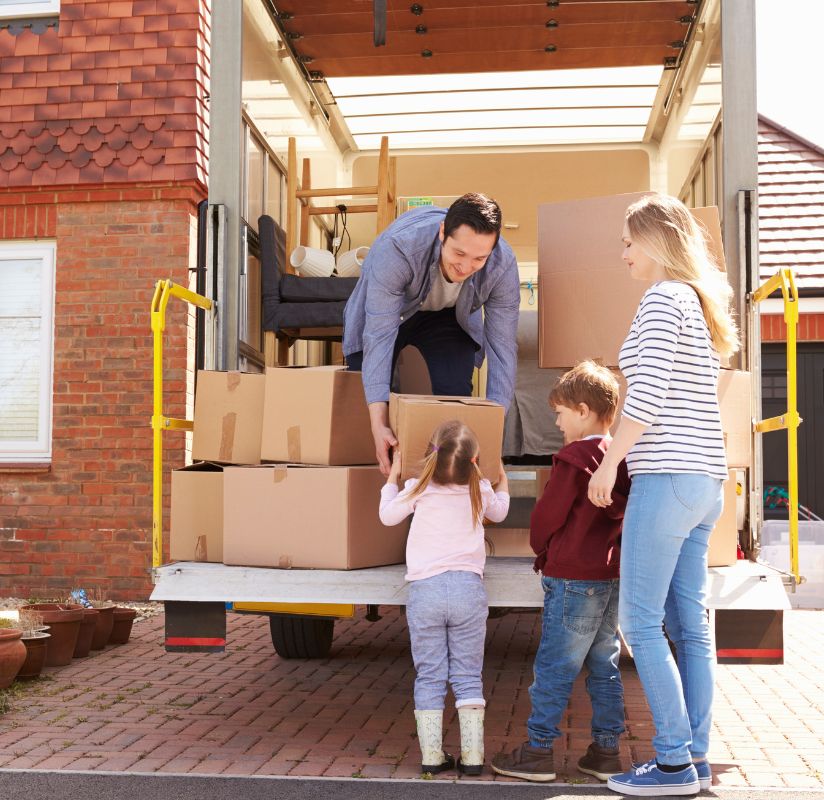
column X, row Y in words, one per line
column 810, row 328
column 86, row 520
column 103, row 149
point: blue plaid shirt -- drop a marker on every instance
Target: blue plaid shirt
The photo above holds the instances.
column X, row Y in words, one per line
column 395, row 279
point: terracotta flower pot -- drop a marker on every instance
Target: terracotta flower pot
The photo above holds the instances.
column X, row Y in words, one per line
column 64, row 621
column 12, row 655
column 87, row 628
column 36, row 645
column 122, row 628
column 103, row 629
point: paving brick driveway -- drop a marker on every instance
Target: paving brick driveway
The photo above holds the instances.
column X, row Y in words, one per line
column 247, row 712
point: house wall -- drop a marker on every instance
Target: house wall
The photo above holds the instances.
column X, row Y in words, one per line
column 103, row 143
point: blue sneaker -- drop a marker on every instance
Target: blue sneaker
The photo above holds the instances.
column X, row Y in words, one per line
column 704, row 771
column 647, row 780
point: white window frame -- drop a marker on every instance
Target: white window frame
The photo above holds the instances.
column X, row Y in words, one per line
column 26, row 9
column 39, row 451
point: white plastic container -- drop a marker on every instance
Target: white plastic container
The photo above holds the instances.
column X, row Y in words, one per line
column 312, row 262
column 775, row 550
column 350, row 263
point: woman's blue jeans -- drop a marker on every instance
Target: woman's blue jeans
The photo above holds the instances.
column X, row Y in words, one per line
column 666, row 533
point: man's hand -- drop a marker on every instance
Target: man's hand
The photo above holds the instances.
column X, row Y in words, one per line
column 383, row 435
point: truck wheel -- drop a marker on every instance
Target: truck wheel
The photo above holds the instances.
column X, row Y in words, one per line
column 301, row 637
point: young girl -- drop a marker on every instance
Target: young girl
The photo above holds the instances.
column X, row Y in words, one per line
column 447, row 607
column 670, row 433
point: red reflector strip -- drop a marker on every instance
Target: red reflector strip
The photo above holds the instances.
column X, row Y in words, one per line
column 749, row 653
column 193, row 641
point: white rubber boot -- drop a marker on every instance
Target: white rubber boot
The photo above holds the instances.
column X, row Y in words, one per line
column 430, row 738
column 472, row 740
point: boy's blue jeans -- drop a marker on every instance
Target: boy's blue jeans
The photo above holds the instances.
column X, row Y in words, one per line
column 579, row 629
column 666, row 533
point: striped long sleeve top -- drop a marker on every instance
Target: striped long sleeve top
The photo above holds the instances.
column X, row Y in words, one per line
column 671, row 368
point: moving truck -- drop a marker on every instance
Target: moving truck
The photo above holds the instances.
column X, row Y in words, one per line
column 534, row 103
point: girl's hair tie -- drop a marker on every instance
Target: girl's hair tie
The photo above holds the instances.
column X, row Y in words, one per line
column 474, row 459
column 434, row 448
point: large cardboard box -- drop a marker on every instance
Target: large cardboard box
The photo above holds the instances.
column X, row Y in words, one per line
column 508, row 542
column 586, row 298
column 723, row 550
column 316, row 415
column 298, row 516
column 196, row 525
column 415, row 417
column 228, row 417
column 735, row 401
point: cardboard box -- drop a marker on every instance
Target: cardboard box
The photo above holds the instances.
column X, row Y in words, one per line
column 298, row 516
column 228, row 417
column 415, row 417
column 316, row 415
column 508, row 542
column 723, row 550
column 196, row 524
column 735, row 401
column 586, row 298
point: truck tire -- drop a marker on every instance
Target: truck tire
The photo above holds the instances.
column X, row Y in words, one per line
column 294, row 636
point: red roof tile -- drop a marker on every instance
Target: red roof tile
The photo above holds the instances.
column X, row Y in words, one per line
column 112, row 96
column 790, row 205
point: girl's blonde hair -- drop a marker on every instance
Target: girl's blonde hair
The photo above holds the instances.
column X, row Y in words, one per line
column 670, row 235
column 452, row 457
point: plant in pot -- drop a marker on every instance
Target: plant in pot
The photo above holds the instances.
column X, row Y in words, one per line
column 122, row 628
column 64, row 627
column 35, row 639
column 12, row 652
column 105, row 618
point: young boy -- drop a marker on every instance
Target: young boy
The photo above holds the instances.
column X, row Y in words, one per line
column 577, row 545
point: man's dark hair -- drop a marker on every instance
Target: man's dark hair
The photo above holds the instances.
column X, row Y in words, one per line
column 481, row 213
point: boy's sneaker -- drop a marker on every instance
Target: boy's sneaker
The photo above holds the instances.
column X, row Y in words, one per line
column 529, row 763
column 704, row 771
column 647, row 780
column 601, row 762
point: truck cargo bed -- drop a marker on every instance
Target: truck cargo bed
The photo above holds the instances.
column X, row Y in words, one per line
column 510, row 582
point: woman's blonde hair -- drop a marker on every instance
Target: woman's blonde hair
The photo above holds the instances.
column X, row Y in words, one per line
column 452, row 457
column 666, row 231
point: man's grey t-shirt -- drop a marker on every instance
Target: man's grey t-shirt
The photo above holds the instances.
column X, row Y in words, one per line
column 442, row 294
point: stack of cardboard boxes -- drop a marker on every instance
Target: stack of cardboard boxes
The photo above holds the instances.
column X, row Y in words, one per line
column 285, row 472
column 586, row 302
column 316, row 507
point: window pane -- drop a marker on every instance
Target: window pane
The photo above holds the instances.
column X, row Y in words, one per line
column 20, row 287
column 273, row 192
column 20, row 349
column 19, row 378
column 252, row 332
column 254, row 193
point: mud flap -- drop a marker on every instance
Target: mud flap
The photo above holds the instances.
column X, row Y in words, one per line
column 195, row 627
column 749, row 636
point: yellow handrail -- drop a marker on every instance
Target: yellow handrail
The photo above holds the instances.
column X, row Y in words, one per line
column 163, row 291
column 785, row 280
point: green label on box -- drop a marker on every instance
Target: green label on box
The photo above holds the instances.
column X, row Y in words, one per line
column 418, row 202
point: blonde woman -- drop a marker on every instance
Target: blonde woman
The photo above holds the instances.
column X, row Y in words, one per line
column 670, row 434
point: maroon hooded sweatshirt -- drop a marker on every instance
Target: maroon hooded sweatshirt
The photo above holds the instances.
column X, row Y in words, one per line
column 573, row 538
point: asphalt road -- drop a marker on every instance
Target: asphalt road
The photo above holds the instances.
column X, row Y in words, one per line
column 34, row 785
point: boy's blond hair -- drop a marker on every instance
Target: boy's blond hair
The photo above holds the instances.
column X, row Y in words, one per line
column 588, row 383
